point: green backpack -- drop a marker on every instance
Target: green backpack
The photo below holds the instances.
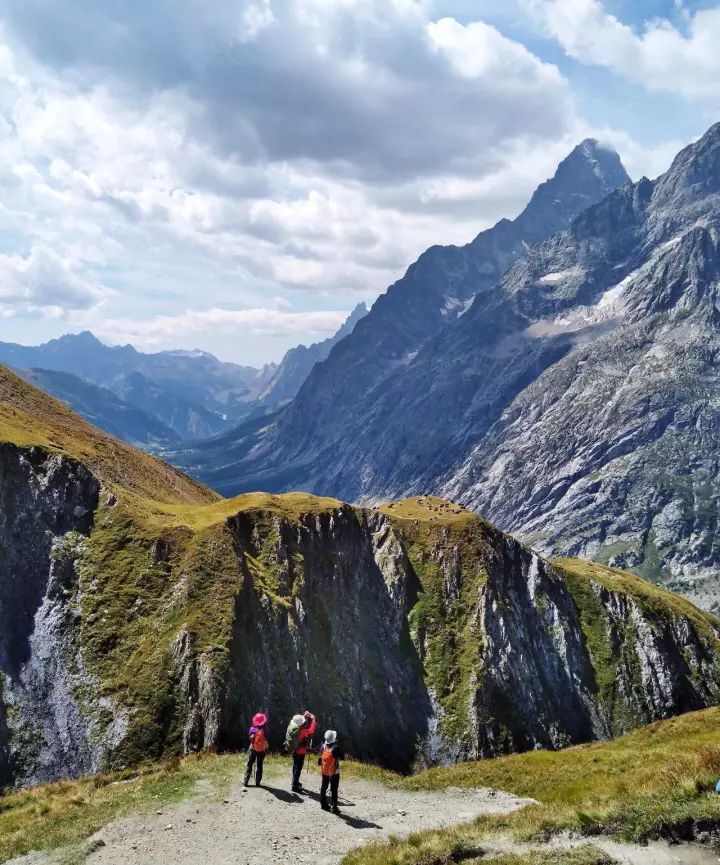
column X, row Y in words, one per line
column 292, row 737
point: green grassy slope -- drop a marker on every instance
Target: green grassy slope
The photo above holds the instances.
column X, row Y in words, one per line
column 657, row 781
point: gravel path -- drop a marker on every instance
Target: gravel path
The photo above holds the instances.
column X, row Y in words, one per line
column 654, row 853
column 270, row 825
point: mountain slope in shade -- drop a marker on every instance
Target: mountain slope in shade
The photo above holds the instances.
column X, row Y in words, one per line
column 332, row 410
column 141, row 617
column 102, row 408
column 298, row 362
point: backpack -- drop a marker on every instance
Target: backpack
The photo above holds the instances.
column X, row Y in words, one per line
column 259, row 742
column 328, row 763
column 292, row 736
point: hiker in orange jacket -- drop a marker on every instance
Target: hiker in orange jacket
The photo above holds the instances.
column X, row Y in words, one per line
column 257, row 749
column 329, row 761
column 308, row 729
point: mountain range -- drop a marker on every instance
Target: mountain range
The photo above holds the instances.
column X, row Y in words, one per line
column 557, row 374
column 157, row 400
column 143, row 616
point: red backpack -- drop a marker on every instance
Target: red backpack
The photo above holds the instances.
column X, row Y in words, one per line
column 328, row 763
column 259, row 742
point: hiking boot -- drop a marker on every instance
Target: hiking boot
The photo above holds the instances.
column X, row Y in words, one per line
column 296, row 788
column 324, row 806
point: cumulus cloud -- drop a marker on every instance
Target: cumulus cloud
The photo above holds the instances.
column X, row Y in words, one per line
column 277, row 321
column 660, row 57
column 44, row 284
column 222, row 153
column 348, row 83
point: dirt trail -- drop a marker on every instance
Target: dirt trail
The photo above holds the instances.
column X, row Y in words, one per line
column 654, row 853
column 269, row 825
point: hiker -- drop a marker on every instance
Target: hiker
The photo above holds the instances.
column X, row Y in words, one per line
column 257, row 749
column 297, row 739
column 329, row 761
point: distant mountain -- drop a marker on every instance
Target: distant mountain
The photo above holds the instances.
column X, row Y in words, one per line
column 101, row 407
column 192, row 392
column 298, row 363
column 326, row 423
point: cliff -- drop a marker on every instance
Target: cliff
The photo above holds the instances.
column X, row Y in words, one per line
column 142, row 616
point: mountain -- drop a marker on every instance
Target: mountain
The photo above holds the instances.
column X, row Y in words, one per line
column 192, row 392
column 142, row 616
column 298, row 362
column 101, row 407
column 330, row 414
column 573, row 403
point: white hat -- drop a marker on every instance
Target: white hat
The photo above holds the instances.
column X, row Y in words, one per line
column 330, row 736
column 298, row 720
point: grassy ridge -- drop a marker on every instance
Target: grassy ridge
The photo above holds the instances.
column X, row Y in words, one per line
column 642, row 786
column 29, row 417
column 653, row 600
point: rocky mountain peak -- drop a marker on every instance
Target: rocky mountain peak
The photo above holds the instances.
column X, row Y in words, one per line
column 586, row 175
column 693, row 175
column 84, row 338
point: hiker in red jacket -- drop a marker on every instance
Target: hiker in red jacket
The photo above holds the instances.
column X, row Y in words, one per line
column 258, row 747
column 300, row 731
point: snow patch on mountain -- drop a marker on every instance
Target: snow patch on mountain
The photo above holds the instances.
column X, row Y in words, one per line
column 571, row 273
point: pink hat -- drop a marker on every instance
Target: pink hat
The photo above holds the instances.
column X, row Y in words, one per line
column 259, row 720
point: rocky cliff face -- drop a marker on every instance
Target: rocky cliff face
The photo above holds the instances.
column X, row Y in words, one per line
column 134, row 630
column 46, row 507
column 142, row 616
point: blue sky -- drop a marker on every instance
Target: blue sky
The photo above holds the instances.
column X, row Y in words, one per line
column 236, row 176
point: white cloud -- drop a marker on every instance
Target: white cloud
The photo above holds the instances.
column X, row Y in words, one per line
column 167, row 330
column 220, row 154
column 477, row 50
column 660, row 57
column 44, row 284
column 102, row 177
column 255, row 18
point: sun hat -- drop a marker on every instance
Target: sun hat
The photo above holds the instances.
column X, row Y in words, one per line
column 298, row 720
column 330, row 736
column 259, row 720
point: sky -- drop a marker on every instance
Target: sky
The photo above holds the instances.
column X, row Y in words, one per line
column 236, row 176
